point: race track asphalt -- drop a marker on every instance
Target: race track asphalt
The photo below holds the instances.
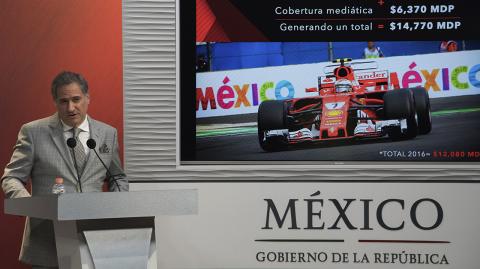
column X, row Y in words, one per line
column 455, row 137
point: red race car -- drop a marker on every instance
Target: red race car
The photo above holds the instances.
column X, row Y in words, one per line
column 349, row 105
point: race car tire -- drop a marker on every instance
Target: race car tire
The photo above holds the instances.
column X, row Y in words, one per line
column 400, row 104
column 422, row 107
column 271, row 116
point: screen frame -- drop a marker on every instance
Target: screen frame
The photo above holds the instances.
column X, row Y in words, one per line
column 183, row 19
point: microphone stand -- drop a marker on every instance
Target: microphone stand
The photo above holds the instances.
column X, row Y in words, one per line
column 72, row 143
column 92, row 144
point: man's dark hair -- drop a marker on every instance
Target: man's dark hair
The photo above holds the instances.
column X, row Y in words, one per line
column 66, row 78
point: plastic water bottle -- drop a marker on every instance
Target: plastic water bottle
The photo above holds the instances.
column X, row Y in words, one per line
column 58, row 188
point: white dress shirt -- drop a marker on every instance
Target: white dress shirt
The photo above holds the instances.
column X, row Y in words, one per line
column 83, row 136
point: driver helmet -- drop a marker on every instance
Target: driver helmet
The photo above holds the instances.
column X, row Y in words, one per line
column 343, row 85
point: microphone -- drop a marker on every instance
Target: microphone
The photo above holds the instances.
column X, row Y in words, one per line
column 72, row 143
column 91, row 143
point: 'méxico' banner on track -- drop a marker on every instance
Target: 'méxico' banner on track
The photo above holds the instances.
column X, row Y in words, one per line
column 236, row 92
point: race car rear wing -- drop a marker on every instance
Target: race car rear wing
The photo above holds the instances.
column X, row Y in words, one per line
column 377, row 80
column 357, row 65
column 373, row 81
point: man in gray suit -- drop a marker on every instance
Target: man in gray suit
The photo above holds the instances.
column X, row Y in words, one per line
column 41, row 154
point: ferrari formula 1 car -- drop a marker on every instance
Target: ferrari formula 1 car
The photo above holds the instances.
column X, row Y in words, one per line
column 349, row 105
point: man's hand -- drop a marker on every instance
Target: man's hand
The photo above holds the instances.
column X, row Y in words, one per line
column 14, row 188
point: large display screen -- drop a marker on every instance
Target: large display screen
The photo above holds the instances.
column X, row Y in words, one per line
column 340, row 82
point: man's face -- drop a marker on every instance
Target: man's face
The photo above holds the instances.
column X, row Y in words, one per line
column 371, row 44
column 72, row 104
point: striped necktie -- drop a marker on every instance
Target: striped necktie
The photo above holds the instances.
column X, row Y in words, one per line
column 79, row 151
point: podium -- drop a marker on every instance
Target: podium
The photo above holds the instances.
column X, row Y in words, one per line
column 106, row 229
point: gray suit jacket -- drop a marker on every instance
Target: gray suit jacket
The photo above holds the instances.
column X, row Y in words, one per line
column 41, row 154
